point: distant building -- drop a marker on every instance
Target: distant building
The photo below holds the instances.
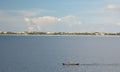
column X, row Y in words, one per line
column 100, row 33
column 5, row 32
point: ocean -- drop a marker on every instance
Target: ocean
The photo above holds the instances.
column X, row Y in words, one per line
column 48, row 53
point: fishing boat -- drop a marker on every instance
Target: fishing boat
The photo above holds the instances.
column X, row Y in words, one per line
column 70, row 64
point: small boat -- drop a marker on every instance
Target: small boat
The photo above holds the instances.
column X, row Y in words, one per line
column 70, row 64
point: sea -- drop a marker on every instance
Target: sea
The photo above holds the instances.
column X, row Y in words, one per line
column 48, row 53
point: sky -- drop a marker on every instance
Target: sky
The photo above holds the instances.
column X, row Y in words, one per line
column 60, row 15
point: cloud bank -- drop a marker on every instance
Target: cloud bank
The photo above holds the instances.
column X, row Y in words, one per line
column 40, row 23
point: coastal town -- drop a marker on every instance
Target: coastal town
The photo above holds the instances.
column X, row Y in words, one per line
column 60, row 33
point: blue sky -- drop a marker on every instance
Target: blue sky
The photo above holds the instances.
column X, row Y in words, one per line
column 60, row 15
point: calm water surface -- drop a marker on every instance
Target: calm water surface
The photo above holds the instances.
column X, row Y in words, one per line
column 47, row 53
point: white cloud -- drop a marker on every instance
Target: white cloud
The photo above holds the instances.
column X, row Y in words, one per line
column 109, row 7
column 118, row 24
column 113, row 7
column 15, row 17
column 30, row 28
column 42, row 20
column 27, row 19
column 71, row 20
column 48, row 21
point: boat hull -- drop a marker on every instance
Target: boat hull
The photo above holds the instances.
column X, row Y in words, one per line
column 70, row 64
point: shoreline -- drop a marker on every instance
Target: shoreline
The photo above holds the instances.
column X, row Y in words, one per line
column 60, row 35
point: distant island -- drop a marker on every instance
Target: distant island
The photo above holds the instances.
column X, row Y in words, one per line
column 59, row 33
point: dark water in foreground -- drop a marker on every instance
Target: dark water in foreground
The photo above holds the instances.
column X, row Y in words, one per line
column 47, row 53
